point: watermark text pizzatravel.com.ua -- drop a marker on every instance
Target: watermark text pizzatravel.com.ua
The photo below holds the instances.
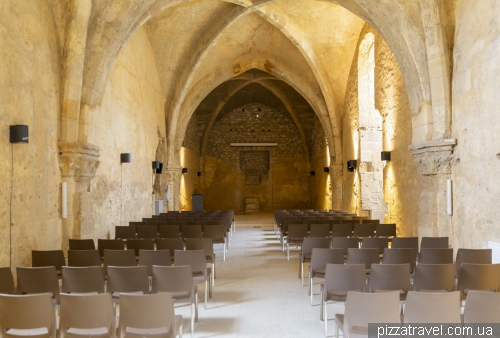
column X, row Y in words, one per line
column 433, row 330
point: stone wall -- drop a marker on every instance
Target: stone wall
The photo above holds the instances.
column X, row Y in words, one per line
column 284, row 185
column 29, row 94
column 190, row 159
column 476, row 105
column 131, row 120
column 192, row 137
column 321, row 187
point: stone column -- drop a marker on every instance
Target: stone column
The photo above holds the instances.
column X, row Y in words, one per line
column 78, row 163
column 174, row 174
column 336, row 177
column 434, row 161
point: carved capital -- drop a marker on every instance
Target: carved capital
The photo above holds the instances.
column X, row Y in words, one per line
column 173, row 174
column 434, row 157
column 78, row 160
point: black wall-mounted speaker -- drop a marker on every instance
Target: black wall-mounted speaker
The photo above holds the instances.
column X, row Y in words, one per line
column 160, row 169
column 351, row 165
column 156, row 165
column 313, row 173
column 199, row 173
column 19, row 134
column 125, row 158
column 326, row 169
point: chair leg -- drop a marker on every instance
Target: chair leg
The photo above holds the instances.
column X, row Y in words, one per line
column 196, row 307
column 336, row 331
column 180, row 332
column 302, row 272
column 213, row 273
column 321, row 308
column 287, row 250
column 192, row 319
column 224, row 249
column 206, row 293
column 210, row 286
column 326, row 319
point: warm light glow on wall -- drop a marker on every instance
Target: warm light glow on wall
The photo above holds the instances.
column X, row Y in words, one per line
column 327, row 154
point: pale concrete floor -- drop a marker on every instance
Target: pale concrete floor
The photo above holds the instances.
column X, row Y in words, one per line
column 257, row 292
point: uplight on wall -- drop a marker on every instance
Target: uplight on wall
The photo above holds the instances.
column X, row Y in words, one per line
column 351, row 165
column 326, row 169
column 313, row 173
column 385, row 156
column 125, row 158
column 184, row 170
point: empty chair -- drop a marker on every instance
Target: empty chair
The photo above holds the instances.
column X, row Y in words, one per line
column 404, row 243
column 205, row 244
column 177, row 280
column 197, row 260
column 82, row 279
column 7, row 281
column 136, row 225
column 364, row 230
column 119, row 258
column 156, row 318
column 400, row 256
column 81, row 244
column 84, row 258
column 319, row 259
column 375, row 242
column 432, row 307
column 28, row 315
column 191, row 231
column 218, row 235
column 473, row 256
column 434, row 243
column 386, row 230
column 147, row 231
column 482, row 307
column 149, row 258
column 435, row 256
column 138, row 244
column 169, row 231
column 341, row 230
column 478, row 277
column 434, row 277
column 170, row 244
column 364, row 308
column 345, row 243
column 296, row 234
column 307, row 247
column 53, row 258
column 390, row 277
column 319, row 230
column 38, row 280
column 87, row 315
column 109, row 244
column 363, row 256
column 125, row 232
column 127, row 279
column 339, row 280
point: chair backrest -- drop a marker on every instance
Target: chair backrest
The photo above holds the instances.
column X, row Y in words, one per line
column 478, row 277
column 434, row 243
column 38, row 280
column 341, row 278
column 192, row 231
column 138, row 244
column 170, row 244
column 147, row 231
column 169, row 231
column 81, row 244
column 400, row 256
column 341, row 230
column 364, row 230
column 405, row 242
column 386, row 230
column 321, row 257
column 194, row 258
column 435, row 256
column 482, row 307
column 119, row 258
column 215, row 231
column 92, row 315
column 28, row 312
column 53, row 258
column 310, row 243
column 124, row 232
column 432, row 307
column 149, row 258
column 175, row 279
column 109, row 244
column 345, row 243
column 7, row 281
column 82, row 279
column 319, row 230
column 473, row 256
column 205, row 244
column 380, row 243
column 363, row 256
column 136, row 225
column 389, row 277
column 364, row 308
column 434, row 277
column 84, row 258
column 123, row 279
column 156, row 318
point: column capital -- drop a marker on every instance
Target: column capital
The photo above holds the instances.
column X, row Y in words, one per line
column 434, row 157
column 78, row 160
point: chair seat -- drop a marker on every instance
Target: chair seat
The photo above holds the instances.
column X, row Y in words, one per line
column 320, row 271
column 466, row 291
column 148, row 332
column 401, row 292
column 27, row 332
column 98, row 331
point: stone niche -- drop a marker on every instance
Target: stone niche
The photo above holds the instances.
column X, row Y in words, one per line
column 252, row 204
column 254, row 164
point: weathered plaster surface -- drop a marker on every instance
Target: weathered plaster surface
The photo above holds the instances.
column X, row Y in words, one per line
column 320, row 186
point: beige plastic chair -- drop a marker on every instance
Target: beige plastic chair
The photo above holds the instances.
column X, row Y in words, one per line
column 432, row 307
column 319, row 259
column 109, row 244
column 390, row 277
column 345, row 243
column 478, row 277
column 147, row 231
column 156, row 317
column 473, row 256
column 28, row 315
column 81, row 244
column 127, row 279
column 197, row 260
column 170, row 244
column 381, row 243
column 386, row 230
column 169, row 231
column 341, row 230
column 434, row 277
column 125, row 232
column 363, row 256
column 53, row 258
column 306, row 253
column 138, row 244
column 364, row 308
column 400, row 256
column 319, row 230
column 482, row 307
column 119, row 258
column 84, row 258
column 178, row 280
column 339, row 280
column 364, row 230
column 87, row 316
column 38, row 280
column 404, row 243
column 296, row 235
column 218, row 235
column 435, row 256
column 148, row 258
column 7, row 281
column 82, row 279
column 434, row 243
column 191, row 231
column 205, row 244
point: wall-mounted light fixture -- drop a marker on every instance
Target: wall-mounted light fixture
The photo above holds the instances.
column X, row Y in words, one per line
column 326, row 169
column 385, row 156
column 19, row 133
column 351, row 165
column 199, row 173
column 313, row 173
column 125, row 158
column 184, row 170
column 157, row 167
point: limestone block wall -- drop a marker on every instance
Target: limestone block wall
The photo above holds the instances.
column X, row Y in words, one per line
column 29, row 94
column 131, row 120
column 226, row 183
column 321, row 187
column 476, row 105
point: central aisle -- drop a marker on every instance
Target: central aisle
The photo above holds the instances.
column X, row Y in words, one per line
column 257, row 292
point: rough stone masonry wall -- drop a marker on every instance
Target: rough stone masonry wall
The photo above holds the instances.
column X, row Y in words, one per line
column 131, row 120
column 321, row 187
column 29, row 94
column 190, row 159
column 476, row 106
column 286, row 183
